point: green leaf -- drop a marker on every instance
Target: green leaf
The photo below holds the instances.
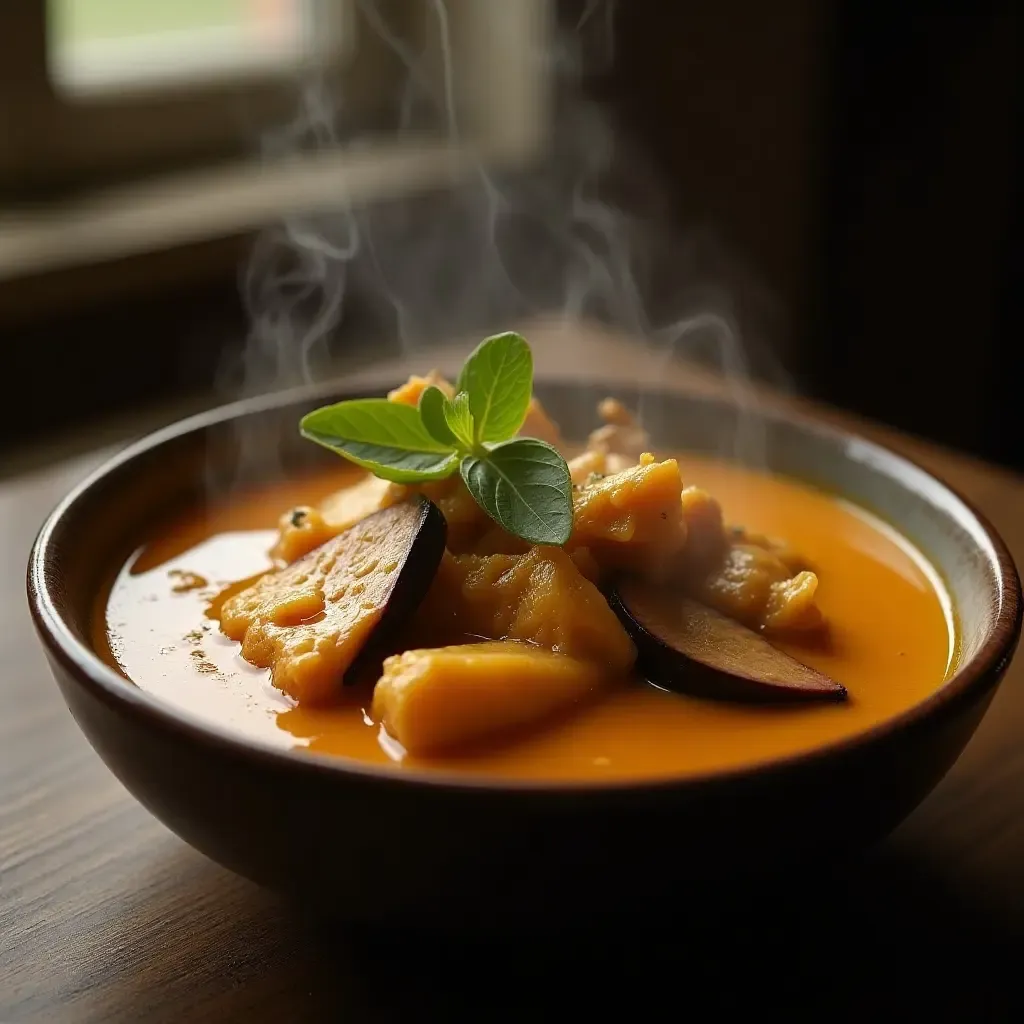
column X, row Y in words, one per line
column 498, row 377
column 401, row 467
column 375, row 421
column 460, row 419
column 387, row 438
column 433, row 412
column 524, row 486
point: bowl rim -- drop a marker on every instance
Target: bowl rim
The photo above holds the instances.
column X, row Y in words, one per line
column 980, row 672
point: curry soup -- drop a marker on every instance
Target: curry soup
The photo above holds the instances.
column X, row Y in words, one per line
column 890, row 641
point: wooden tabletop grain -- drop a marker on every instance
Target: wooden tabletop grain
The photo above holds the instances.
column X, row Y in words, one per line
column 107, row 916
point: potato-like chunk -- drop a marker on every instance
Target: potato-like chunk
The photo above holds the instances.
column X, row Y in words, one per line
column 792, row 559
column 540, row 597
column 791, row 605
column 409, row 393
column 303, row 528
column 300, row 530
column 612, row 448
column 351, row 504
column 754, row 586
column 705, row 530
column 307, row 622
column 540, row 425
column 467, row 521
column 589, row 463
column 632, row 520
column 496, row 540
column 438, row 699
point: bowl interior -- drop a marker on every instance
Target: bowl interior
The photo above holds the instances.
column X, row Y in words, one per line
column 205, row 459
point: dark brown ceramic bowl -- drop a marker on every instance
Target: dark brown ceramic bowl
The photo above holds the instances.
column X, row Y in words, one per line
column 379, row 845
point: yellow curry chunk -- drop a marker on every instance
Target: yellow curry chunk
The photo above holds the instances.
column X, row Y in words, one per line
column 633, row 519
column 589, row 463
column 496, row 541
column 437, row 699
column 467, row 521
column 540, row 425
column 303, row 528
column 308, row 621
column 540, row 597
column 348, row 506
column 409, row 393
column 754, row 579
column 705, row 529
column 300, row 530
column 791, row 606
column 792, row 559
column 615, row 447
column 754, row 586
column 621, row 438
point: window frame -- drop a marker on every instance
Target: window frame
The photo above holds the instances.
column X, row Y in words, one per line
column 126, row 175
column 58, row 141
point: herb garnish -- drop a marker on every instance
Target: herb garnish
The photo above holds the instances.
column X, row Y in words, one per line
column 520, row 482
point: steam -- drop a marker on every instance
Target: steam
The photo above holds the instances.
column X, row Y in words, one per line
column 581, row 233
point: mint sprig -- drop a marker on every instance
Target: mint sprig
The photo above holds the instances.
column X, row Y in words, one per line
column 522, row 483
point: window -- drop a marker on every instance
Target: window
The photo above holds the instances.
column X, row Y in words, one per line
column 103, row 45
column 132, row 125
column 97, row 90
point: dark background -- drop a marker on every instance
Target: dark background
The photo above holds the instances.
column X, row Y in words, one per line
column 866, row 156
column 861, row 161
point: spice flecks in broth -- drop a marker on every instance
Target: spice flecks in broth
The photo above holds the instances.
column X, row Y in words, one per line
column 890, row 642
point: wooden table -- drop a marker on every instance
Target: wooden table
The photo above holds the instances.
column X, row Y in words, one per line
column 106, row 916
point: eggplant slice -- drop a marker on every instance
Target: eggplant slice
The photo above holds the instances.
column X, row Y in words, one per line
column 686, row 646
column 426, row 528
column 317, row 623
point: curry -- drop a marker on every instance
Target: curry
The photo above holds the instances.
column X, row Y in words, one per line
column 405, row 623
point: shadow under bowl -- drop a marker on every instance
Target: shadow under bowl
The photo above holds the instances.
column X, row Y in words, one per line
column 377, row 845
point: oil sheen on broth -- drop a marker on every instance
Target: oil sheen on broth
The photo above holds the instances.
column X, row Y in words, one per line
column 891, row 642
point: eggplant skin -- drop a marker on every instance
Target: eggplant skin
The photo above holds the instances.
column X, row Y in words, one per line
column 412, row 583
column 670, row 668
column 310, row 621
column 415, row 575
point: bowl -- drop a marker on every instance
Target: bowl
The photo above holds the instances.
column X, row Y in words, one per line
column 376, row 845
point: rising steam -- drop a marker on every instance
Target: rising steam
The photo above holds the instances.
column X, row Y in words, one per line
column 564, row 236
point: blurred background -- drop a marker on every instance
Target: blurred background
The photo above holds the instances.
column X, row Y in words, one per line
column 199, row 196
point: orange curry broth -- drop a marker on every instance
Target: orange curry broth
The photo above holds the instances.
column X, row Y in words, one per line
column 890, row 642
